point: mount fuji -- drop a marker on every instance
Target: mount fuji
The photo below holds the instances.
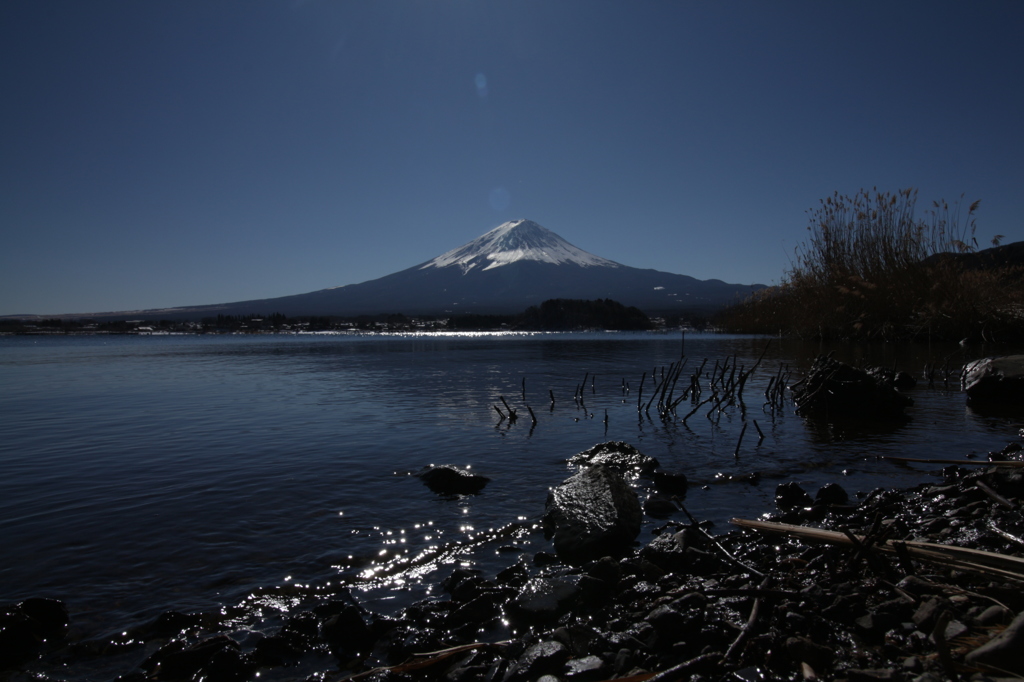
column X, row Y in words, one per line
column 514, row 266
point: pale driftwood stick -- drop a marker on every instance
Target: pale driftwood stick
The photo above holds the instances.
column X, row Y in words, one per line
column 755, row 612
column 1007, row 536
column 994, row 495
column 962, row 462
column 716, row 543
column 975, row 560
column 678, row 672
column 424, row 660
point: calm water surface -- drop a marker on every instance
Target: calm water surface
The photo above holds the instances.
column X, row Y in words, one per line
column 143, row 474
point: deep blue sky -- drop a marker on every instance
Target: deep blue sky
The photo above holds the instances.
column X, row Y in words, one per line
column 179, row 153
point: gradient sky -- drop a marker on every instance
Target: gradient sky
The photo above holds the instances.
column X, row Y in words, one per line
column 190, row 152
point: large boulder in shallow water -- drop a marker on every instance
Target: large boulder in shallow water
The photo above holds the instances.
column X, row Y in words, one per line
column 593, row 514
column 834, row 390
column 995, row 381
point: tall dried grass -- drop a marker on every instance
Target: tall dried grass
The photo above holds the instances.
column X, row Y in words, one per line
column 873, row 270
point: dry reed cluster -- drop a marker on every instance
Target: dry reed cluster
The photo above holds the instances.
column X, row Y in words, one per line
column 872, row 270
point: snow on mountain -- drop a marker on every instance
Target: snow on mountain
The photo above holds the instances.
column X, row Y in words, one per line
column 514, row 241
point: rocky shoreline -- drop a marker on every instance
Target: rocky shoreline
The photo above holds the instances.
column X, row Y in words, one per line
column 679, row 605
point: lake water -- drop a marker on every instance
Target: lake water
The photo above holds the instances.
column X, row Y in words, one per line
column 144, row 474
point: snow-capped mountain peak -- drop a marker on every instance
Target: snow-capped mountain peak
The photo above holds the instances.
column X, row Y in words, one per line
column 516, row 240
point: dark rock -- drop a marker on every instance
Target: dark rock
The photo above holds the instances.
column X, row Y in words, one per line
column 544, row 599
column 605, row 569
column 791, row 495
column 831, row 493
column 48, row 617
column 917, row 587
column 27, row 626
column 659, row 506
column 1007, row 481
column 670, row 483
column 926, row 614
column 617, row 455
column 592, row 514
column 543, row 658
column 278, row 650
column 901, row 381
column 994, row 615
column 461, row 582
column 667, row 551
column 586, row 669
column 17, row 643
column 449, row 480
column 667, row 621
column 834, row 390
column 544, row 559
column 480, row 611
column 171, row 623
column 995, row 381
column 347, row 633
column 1004, row 650
column 514, row 576
column 216, row 658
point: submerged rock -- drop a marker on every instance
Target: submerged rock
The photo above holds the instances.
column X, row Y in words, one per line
column 995, row 381
column 446, row 479
column 618, row 455
column 592, row 514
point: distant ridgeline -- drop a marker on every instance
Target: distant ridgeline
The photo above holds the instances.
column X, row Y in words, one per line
column 562, row 314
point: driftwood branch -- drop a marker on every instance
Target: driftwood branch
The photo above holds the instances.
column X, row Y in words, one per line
column 961, row 462
column 961, row 558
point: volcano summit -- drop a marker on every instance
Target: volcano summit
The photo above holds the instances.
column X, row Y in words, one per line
column 506, row 270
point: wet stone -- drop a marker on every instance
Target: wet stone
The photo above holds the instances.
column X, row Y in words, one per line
column 929, row 611
column 831, row 493
column 29, row 625
column 592, row 514
column 994, row 615
column 586, row 669
column 1004, row 650
column 790, row 495
column 446, row 479
column 347, row 633
column 617, row 455
column 995, row 381
column 543, row 658
column 670, row 483
column 659, row 506
column 544, row 599
column 218, row 657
